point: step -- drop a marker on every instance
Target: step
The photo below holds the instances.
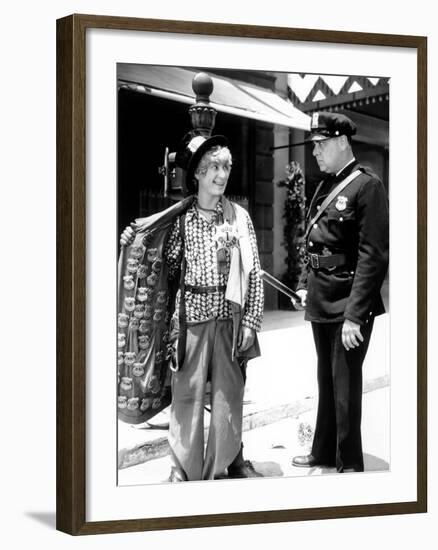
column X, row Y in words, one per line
column 148, row 443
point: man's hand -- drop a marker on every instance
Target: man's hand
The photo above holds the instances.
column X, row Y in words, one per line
column 246, row 338
column 302, row 293
column 351, row 335
column 127, row 237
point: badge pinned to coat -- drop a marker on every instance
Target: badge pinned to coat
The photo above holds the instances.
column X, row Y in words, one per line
column 225, row 237
column 341, row 203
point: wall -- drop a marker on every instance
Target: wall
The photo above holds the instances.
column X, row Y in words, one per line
column 28, row 231
column 281, row 159
column 263, row 198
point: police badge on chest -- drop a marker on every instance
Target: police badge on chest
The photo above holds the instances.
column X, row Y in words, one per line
column 341, row 203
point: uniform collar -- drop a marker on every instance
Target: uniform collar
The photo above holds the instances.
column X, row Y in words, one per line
column 353, row 160
column 333, row 179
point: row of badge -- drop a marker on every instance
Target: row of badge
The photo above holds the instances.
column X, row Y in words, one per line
column 130, row 359
column 126, row 384
column 137, row 252
column 141, row 271
column 143, row 296
column 144, row 326
column 144, row 341
column 133, row 403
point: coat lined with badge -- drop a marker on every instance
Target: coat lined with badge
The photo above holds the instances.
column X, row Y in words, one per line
column 151, row 339
column 146, row 298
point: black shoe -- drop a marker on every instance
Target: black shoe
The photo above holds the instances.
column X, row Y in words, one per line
column 243, row 470
column 307, row 461
column 175, row 476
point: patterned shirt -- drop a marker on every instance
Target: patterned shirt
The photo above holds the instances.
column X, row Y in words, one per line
column 201, row 243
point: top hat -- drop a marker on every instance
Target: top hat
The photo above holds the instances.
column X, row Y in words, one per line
column 191, row 150
column 326, row 125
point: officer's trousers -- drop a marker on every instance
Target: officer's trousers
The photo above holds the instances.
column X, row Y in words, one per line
column 208, row 357
column 337, row 440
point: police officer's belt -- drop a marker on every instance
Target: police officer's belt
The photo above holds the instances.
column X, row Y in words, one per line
column 205, row 289
column 334, row 260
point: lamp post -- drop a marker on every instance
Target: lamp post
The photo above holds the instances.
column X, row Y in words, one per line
column 202, row 117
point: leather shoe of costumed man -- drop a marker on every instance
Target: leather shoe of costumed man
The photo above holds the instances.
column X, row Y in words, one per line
column 242, row 470
column 306, row 461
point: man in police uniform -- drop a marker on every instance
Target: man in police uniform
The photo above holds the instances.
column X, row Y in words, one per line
column 347, row 252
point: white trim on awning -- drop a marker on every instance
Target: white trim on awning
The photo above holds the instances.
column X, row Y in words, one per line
column 229, row 96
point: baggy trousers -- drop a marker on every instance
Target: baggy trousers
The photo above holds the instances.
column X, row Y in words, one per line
column 337, row 440
column 208, row 357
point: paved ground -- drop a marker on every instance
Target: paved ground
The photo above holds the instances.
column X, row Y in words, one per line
column 280, row 384
column 280, row 393
column 271, row 447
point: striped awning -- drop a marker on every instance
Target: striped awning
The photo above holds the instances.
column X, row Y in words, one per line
column 229, row 96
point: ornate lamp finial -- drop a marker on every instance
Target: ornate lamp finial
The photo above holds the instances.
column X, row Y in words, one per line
column 202, row 115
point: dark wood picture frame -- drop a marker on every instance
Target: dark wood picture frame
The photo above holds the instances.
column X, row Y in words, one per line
column 71, row 274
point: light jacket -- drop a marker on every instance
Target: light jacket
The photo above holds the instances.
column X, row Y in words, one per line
column 148, row 343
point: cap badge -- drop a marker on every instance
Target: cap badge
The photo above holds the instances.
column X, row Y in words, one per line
column 315, row 117
column 341, row 203
column 195, row 143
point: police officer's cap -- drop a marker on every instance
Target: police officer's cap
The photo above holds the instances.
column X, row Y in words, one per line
column 326, row 125
column 192, row 148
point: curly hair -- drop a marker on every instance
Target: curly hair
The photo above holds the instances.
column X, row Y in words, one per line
column 216, row 153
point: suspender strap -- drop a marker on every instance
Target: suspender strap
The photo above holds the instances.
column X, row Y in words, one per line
column 181, row 347
column 342, row 185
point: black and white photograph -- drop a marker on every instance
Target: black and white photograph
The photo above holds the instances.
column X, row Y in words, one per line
column 247, row 278
column 225, row 218
column 252, row 252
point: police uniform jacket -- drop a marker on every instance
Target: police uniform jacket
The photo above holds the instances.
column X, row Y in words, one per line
column 354, row 224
